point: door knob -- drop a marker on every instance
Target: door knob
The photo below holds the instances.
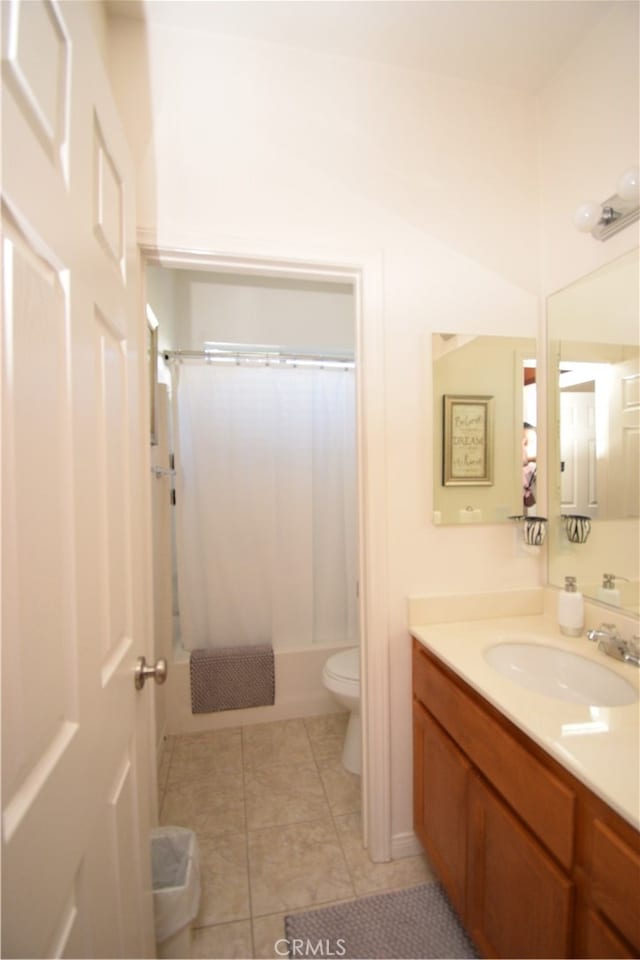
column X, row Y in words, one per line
column 143, row 670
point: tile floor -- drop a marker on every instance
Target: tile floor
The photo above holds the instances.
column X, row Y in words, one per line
column 277, row 819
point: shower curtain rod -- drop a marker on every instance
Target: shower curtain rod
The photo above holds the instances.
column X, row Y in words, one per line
column 229, row 353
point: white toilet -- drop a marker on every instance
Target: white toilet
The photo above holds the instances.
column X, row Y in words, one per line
column 341, row 675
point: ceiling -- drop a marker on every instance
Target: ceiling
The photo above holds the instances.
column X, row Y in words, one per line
column 514, row 43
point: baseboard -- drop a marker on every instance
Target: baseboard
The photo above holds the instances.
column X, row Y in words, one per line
column 405, row 845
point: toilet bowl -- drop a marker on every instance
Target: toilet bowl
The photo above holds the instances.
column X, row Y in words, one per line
column 341, row 676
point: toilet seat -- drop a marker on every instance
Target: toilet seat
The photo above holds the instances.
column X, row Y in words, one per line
column 341, row 673
column 344, row 666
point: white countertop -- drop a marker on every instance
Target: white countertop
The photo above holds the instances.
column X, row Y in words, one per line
column 599, row 745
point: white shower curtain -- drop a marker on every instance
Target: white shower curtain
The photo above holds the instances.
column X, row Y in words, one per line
column 266, row 504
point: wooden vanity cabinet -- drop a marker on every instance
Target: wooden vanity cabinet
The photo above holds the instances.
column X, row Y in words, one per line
column 534, row 863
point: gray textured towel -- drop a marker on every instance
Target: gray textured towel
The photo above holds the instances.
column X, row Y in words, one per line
column 232, row 678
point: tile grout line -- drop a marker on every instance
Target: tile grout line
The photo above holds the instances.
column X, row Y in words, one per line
column 333, row 818
column 246, row 840
column 326, row 794
column 316, row 767
column 315, row 761
column 313, row 820
column 228, row 922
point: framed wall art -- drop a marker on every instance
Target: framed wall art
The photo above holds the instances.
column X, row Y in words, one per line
column 467, row 455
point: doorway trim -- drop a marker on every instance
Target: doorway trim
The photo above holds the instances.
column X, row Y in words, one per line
column 365, row 272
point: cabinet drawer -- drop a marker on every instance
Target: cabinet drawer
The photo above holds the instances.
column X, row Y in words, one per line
column 540, row 799
column 615, row 871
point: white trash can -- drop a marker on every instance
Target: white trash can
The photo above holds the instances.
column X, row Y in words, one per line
column 175, row 872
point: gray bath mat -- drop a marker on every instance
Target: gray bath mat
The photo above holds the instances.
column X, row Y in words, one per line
column 232, row 678
column 415, row 923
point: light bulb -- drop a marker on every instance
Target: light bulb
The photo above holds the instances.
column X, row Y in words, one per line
column 629, row 184
column 587, row 216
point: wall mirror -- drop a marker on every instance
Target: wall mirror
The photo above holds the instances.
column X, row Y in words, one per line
column 484, row 390
column 593, row 331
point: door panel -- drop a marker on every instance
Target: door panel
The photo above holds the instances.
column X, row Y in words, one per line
column 38, row 544
column 112, row 493
column 76, row 786
column 624, row 439
column 520, row 902
column 37, row 68
column 579, row 488
column 163, row 589
column 440, row 803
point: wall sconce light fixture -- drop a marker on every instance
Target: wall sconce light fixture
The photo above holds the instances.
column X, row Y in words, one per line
column 604, row 219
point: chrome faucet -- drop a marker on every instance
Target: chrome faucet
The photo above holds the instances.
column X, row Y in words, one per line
column 633, row 653
column 611, row 642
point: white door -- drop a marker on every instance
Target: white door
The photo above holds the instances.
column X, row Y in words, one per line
column 161, row 500
column 76, row 775
column 579, row 492
column 624, row 440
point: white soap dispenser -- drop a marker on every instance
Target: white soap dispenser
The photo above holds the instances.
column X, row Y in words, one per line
column 571, row 609
column 608, row 592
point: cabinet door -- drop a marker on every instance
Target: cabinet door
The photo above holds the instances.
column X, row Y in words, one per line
column 441, row 775
column 519, row 903
column 615, row 870
column 595, row 938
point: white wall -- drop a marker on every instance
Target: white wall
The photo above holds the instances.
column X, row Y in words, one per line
column 270, row 147
column 588, row 135
column 161, row 294
column 255, row 310
column 261, row 141
column 602, row 309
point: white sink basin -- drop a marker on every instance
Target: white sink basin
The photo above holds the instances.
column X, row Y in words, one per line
column 560, row 674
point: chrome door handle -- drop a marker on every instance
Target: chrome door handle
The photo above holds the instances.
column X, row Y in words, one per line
column 144, row 670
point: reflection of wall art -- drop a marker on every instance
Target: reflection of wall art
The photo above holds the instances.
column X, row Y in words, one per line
column 467, row 455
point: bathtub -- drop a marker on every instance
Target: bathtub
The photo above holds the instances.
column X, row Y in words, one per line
column 299, row 692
